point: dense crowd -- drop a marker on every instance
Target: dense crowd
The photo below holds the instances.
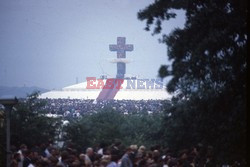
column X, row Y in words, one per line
column 78, row 107
column 114, row 155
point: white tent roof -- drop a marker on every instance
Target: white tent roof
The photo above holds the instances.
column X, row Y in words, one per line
column 79, row 91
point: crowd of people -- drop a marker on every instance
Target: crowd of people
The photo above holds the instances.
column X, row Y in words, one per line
column 114, row 155
column 78, row 107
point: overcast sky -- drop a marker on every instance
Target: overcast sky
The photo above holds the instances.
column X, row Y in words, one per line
column 48, row 43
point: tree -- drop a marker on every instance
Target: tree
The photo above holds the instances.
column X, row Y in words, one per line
column 210, row 51
column 106, row 126
column 208, row 72
column 30, row 125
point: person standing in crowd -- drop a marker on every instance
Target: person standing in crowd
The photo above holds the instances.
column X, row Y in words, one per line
column 27, row 158
column 15, row 160
column 126, row 158
column 23, row 147
column 89, row 156
column 63, row 159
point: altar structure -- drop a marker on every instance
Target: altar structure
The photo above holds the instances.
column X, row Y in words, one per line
column 123, row 88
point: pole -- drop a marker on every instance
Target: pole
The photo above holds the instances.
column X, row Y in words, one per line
column 8, row 156
column 8, row 104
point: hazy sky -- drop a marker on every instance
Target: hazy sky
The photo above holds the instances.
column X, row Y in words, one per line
column 48, row 43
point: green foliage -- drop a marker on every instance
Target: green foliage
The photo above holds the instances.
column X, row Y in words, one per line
column 206, row 121
column 142, row 129
column 107, row 125
column 208, row 74
column 209, row 53
column 30, row 125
